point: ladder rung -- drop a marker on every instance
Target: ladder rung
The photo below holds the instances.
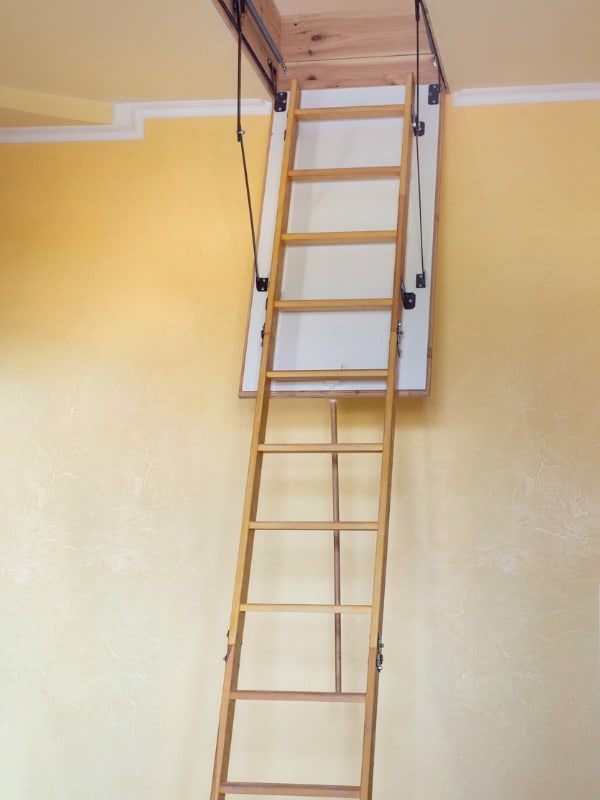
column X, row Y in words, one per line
column 349, row 112
column 310, row 525
column 290, row 789
column 299, row 447
column 350, row 304
column 306, row 608
column 344, row 174
column 327, row 374
column 339, row 237
column 315, row 697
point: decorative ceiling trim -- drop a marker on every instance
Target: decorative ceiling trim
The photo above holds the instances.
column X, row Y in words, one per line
column 504, row 95
column 129, row 120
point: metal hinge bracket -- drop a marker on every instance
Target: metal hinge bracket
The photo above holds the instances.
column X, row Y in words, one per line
column 433, row 96
column 281, row 101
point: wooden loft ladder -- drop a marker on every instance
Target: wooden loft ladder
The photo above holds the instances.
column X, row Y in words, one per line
column 223, row 785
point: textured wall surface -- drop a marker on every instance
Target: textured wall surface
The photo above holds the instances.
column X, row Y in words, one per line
column 123, row 290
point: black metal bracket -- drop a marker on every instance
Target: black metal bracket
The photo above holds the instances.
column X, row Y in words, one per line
column 433, row 95
column 409, row 299
column 421, row 280
column 418, row 127
column 281, row 101
column 262, row 284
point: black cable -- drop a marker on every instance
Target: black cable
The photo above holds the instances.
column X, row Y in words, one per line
column 416, row 129
column 240, row 137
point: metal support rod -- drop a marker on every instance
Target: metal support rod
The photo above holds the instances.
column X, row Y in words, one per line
column 337, row 592
column 266, row 35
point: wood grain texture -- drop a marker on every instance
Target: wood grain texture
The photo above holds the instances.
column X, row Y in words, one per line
column 389, row 70
column 344, row 174
column 333, row 447
column 327, row 374
column 296, row 696
column 349, row 112
column 290, row 789
column 350, row 304
column 304, row 608
column 338, row 237
column 359, row 33
column 356, row 43
column 311, row 525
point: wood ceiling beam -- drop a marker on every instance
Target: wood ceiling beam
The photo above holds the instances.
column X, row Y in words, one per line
column 345, row 73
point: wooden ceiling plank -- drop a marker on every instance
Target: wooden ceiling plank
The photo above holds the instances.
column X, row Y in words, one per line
column 350, row 35
column 344, row 73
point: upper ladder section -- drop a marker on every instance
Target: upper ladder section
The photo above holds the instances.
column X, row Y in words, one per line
column 339, row 240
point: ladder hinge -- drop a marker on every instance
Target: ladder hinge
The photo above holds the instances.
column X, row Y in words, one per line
column 262, row 335
column 281, row 101
column 433, row 96
column 379, row 656
column 227, row 651
column 262, row 284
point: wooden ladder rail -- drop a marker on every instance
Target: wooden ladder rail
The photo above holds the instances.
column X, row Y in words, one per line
column 385, row 486
column 242, row 576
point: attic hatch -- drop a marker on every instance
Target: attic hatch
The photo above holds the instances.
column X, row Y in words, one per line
column 326, row 44
column 345, row 53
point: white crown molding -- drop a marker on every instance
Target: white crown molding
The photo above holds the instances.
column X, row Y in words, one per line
column 129, row 119
column 504, row 95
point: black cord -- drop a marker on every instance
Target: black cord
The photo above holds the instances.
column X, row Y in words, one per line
column 240, row 138
column 416, row 129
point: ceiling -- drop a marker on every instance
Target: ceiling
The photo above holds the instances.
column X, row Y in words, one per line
column 66, row 62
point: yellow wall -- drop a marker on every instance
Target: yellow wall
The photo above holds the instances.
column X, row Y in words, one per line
column 123, row 288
